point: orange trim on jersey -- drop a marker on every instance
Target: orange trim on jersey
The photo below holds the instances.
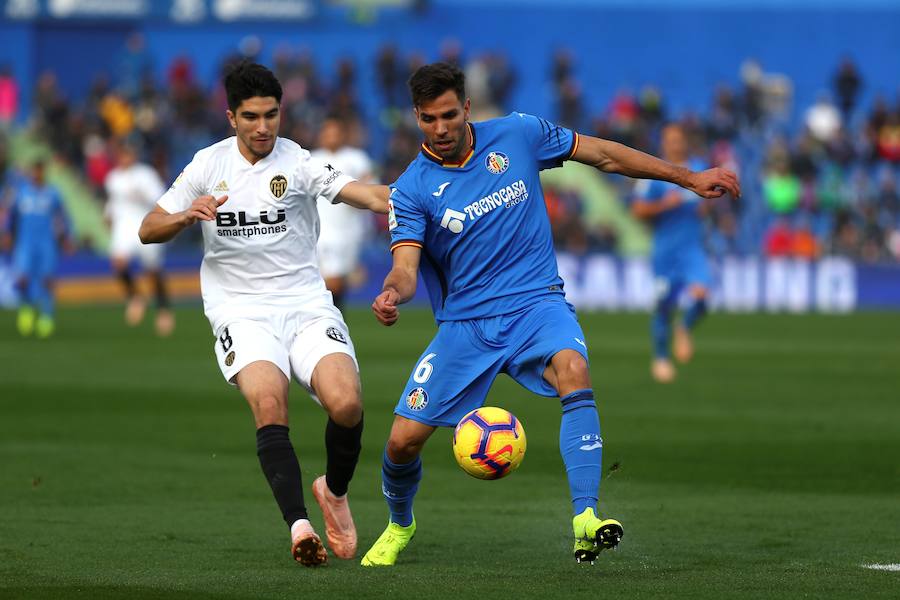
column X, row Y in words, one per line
column 575, row 146
column 428, row 151
column 460, row 164
column 436, row 158
column 413, row 244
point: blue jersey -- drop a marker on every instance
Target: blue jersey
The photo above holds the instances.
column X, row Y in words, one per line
column 677, row 230
column 482, row 224
column 37, row 216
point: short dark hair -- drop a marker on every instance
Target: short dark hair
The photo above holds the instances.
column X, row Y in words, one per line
column 248, row 80
column 430, row 81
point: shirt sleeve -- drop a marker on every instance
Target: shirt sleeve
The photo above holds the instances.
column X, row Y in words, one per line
column 551, row 143
column 324, row 180
column 186, row 188
column 406, row 220
column 648, row 190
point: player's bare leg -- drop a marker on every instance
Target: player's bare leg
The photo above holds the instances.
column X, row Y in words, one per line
column 582, row 451
column 683, row 344
column 335, row 381
column 265, row 388
column 135, row 305
column 165, row 318
column 401, row 472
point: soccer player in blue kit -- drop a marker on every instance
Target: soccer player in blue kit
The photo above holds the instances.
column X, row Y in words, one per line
column 469, row 214
column 38, row 225
column 679, row 260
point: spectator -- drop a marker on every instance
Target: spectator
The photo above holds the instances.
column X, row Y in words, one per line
column 9, row 97
column 823, row 119
column 779, row 241
column 781, row 188
column 847, row 82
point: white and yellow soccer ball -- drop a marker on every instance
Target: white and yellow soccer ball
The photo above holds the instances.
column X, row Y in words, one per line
column 489, row 443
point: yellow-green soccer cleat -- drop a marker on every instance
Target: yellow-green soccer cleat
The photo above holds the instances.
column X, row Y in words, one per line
column 384, row 551
column 593, row 534
column 25, row 321
column 44, row 327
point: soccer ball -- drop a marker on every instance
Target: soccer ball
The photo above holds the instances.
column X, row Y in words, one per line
column 489, row 443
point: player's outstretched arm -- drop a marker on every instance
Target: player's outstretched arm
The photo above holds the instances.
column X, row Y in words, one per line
column 650, row 210
column 161, row 226
column 366, row 195
column 613, row 157
column 399, row 285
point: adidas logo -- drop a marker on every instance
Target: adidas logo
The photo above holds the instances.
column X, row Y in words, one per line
column 221, row 187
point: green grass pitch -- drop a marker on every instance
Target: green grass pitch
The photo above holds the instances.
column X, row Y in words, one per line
column 771, row 469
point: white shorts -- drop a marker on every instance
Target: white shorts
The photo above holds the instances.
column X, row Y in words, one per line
column 339, row 258
column 294, row 339
column 126, row 244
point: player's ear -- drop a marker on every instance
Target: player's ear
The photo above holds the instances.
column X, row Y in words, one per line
column 231, row 119
column 466, row 108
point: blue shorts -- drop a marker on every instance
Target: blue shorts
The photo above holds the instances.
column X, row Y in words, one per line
column 689, row 266
column 455, row 373
column 35, row 260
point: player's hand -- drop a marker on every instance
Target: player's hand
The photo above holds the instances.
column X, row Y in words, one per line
column 385, row 307
column 69, row 246
column 673, row 199
column 203, row 209
column 714, row 183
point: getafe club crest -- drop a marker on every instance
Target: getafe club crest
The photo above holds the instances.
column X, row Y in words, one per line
column 417, row 399
column 278, row 185
column 496, row 162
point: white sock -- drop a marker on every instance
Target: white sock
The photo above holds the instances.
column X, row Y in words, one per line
column 304, row 523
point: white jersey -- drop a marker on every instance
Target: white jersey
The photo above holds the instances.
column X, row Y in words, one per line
column 132, row 192
column 261, row 249
column 339, row 221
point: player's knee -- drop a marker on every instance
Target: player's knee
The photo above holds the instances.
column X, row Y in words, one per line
column 699, row 293
column 573, row 370
column 341, row 400
column 402, row 450
column 347, row 412
column 269, row 409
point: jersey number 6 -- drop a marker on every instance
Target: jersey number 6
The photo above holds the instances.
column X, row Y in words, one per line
column 424, row 369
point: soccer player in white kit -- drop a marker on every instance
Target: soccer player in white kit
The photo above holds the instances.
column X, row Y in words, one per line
column 343, row 230
column 255, row 197
column 132, row 188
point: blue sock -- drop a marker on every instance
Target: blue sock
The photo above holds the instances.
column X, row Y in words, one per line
column 581, row 448
column 695, row 312
column 399, row 483
column 40, row 296
column 661, row 326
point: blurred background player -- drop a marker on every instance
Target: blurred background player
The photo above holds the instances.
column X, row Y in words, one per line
column 342, row 228
column 132, row 189
column 36, row 228
column 679, row 259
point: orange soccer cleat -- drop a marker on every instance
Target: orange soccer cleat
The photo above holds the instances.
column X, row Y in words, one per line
column 339, row 525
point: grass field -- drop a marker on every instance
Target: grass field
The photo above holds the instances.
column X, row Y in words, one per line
column 770, row 469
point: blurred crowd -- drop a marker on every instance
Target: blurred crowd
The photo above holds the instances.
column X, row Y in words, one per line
column 817, row 180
